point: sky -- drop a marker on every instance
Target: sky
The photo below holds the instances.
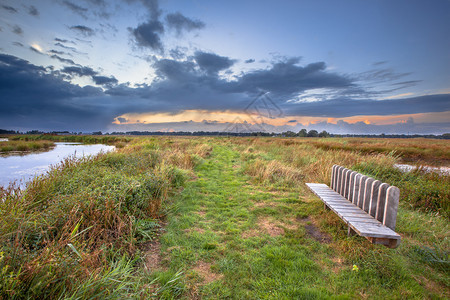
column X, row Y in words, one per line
column 349, row 66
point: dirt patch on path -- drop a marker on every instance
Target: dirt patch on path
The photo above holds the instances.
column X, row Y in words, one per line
column 313, row 231
column 204, row 270
column 271, row 227
column 153, row 256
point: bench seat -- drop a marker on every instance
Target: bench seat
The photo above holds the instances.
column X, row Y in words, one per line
column 358, row 221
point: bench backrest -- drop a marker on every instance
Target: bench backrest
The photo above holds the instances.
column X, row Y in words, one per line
column 376, row 198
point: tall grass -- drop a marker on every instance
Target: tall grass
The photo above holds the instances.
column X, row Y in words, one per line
column 295, row 160
column 21, row 146
column 86, row 139
column 410, row 150
column 77, row 230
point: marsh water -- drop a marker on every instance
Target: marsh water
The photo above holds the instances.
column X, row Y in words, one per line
column 409, row 168
column 21, row 168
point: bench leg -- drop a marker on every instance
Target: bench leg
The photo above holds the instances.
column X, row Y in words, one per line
column 351, row 232
column 326, row 207
column 390, row 243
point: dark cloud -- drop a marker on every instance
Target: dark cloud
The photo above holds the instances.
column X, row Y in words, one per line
column 152, row 7
column 212, row 63
column 9, row 9
column 341, row 108
column 178, row 53
column 62, row 40
column 249, row 61
column 63, row 60
column 17, row 30
column 66, row 47
column 147, row 35
column 192, row 83
column 53, row 51
column 286, row 79
column 47, row 102
column 79, row 71
column 87, row 71
column 103, row 80
column 76, row 8
column 180, row 23
column 33, row 11
column 84, row 30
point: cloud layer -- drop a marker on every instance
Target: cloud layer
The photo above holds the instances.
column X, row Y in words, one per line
column 50, row 102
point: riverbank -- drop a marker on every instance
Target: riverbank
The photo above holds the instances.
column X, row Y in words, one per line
column 19, row 147
column 80, row 230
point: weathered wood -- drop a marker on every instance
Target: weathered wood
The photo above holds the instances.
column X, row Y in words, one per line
column 390, row 210
column 362, row 190
column 367, row 194
column 351, row 232
column 357, row 181
column 342, row 181
column 374, row 198
column 381, row 202
column 368, row 206
column 333, row 176
column 391, row 243
column 351, row 184
column 347, row 183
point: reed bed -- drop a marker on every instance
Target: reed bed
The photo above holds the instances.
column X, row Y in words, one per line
column 24, row 146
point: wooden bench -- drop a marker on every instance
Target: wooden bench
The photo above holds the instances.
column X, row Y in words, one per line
column 368, row 206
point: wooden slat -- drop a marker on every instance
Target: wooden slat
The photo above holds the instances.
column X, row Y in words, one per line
column 374, row 230
column 362, row 191
column 374, row 198
column 333, row 176
column 367, row 192
column 351, row 186
column 356, row 184
column 381, row 202
column 390, row 211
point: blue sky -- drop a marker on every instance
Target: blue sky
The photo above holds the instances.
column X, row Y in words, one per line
column 340, row 66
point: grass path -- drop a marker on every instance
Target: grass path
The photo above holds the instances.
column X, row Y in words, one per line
column 230, row 238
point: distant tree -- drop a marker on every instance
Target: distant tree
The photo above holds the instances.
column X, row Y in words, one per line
column 324, row 134
column 303, row 133
column 290, row 134
column 313, row 133
column 97, row 133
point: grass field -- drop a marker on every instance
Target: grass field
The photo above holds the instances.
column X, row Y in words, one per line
column 220, row 218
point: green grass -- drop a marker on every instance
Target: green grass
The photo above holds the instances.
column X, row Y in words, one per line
column 246, row 237
column 215, row 218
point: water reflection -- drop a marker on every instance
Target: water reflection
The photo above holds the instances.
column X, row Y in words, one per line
column 23, row 168
column 428, row 169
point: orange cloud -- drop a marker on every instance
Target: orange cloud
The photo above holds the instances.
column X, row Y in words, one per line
column 231, row 116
